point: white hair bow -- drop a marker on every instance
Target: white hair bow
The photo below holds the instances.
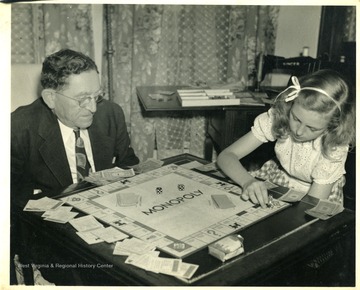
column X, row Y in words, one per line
column 297, row 88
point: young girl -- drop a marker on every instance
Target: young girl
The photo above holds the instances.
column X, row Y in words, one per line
column 313, row 124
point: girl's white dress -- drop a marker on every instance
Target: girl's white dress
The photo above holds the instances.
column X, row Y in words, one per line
column 300, row 164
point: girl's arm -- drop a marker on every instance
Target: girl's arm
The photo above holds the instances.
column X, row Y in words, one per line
column 228, row 161
column 320, row 191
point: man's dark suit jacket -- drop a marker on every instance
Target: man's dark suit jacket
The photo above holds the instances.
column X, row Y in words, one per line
column 38, row 158
column 38, row 161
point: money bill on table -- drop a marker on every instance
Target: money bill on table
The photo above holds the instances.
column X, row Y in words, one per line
column 292, row 196
column 325, row 209
column 116, row 172
column 106, row 176
column 208, row 167
column 85, row 223
column 148, row 165
column 62, row 214
column 211, row 168
column 61, row 209
column 168, row 266
column 89, row 238
column 109, row 234
column 270, row 185
column 133, row 246
column 43, row 204
column 61, row 217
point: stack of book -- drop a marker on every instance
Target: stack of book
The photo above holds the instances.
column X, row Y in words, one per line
column 213, row 97
column 207, row 97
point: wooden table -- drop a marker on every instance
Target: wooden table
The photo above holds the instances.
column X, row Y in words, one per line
column 225, row 123
column 276, row 249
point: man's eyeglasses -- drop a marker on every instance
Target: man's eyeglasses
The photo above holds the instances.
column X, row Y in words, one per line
column 86, row 99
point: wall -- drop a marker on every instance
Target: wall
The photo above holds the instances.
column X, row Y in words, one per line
column 298, row 26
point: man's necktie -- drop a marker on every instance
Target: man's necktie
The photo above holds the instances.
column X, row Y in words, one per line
column 82, row 163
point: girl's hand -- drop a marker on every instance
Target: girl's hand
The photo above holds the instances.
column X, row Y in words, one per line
column 256, row 191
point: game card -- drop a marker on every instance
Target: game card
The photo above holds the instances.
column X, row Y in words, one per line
column 127, row 198
column 222, row 201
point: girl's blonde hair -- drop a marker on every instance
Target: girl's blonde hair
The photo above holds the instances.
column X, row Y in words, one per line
column 338, row 105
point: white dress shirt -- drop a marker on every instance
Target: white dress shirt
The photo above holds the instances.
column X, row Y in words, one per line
column 68, row 137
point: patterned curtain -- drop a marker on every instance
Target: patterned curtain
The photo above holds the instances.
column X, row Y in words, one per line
column 155, row 45
column 350, row 24
column 186, row 45
column 41, row 29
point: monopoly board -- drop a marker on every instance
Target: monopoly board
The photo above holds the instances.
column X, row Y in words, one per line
column 181, row 211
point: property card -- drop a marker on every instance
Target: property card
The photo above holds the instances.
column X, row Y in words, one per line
column 143, row 261
column 186, row 270
column 222, row 201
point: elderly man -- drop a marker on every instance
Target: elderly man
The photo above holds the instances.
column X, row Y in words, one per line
column 46, row 137
column 43, row 154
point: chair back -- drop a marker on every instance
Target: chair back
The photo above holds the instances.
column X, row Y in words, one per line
column 25, row 84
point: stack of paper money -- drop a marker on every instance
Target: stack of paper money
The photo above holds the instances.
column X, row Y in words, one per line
column 293, row 196
column 325, row 209
column 107, row 176
column 53, row 209
column 169, row 266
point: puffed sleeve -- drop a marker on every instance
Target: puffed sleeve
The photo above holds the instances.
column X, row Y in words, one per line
column 328, row 170
column 262, row 127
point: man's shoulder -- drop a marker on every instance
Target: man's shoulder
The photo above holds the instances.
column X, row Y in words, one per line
column 29, row 113
column 35, row 106
column 106, row 107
